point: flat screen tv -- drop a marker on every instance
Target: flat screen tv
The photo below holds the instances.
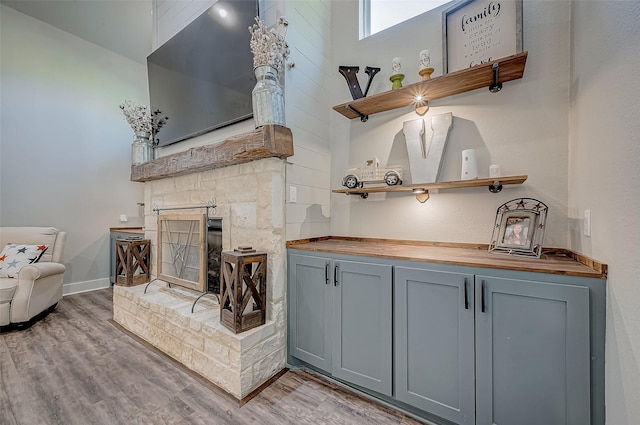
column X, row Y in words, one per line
column 202, row 78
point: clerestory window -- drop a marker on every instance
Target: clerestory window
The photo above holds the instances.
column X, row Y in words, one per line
column 378, row 15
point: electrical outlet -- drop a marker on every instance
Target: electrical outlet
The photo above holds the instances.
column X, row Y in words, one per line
column 586, row 224
column 123, row 218
column 293, row 194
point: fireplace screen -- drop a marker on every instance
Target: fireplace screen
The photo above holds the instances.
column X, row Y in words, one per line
column 214, row 252
column 182, row 253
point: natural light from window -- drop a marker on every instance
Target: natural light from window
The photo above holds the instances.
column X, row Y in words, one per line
column 378, row 15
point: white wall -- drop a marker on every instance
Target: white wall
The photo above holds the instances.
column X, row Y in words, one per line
column 604, row 176
column 65, row 147
column 524, row 128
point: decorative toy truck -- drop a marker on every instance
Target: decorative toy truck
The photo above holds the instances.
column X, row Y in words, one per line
column 372, row 172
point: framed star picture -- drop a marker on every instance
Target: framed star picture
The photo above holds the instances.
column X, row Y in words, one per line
column 519, row 228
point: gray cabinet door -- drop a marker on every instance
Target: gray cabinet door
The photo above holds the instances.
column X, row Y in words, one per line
column 310, row 310
column 362, row 330
column 434, row 337
column 532, row 353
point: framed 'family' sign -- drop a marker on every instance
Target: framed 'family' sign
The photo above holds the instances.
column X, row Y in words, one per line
column 479, row 31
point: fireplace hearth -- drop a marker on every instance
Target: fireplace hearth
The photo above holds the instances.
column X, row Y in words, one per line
column 237, row 363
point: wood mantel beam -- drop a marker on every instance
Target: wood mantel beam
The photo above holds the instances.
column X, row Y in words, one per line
column 265, row 142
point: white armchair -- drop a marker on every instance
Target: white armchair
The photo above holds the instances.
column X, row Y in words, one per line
column 38, row 286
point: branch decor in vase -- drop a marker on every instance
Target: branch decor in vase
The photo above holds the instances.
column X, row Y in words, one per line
column 145, row 127
column 157, row 122
column 270, row 50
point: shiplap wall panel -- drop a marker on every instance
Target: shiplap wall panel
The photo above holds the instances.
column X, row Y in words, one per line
column 311, row 81
column 307, row 110
column 314, row 214
column 314, row 124
column 307, row 156
column 305, row 176
column 310, row 141
column 312, row 195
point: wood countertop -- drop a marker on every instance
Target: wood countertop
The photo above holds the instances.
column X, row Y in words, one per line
column 554, row 261
column 137, row 230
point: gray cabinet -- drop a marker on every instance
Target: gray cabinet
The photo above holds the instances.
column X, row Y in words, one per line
column 434, row 340
column 453, row 344
column 532, row 353
column 489, row 350
column 340, row 318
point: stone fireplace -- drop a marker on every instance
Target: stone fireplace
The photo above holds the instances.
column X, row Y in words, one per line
column 246, row 177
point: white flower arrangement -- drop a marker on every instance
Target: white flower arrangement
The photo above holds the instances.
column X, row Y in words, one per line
column 140, row 119
column 268, row 45
column 137, row 116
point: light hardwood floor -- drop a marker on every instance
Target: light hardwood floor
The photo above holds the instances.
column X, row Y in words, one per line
column 75, row 367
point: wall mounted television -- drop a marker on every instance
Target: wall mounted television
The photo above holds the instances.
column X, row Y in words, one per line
column 202, row 77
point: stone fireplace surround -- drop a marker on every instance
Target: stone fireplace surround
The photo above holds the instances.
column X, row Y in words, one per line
column 246, row 176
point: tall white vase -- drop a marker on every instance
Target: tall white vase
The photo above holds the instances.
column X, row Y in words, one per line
column 267, row 97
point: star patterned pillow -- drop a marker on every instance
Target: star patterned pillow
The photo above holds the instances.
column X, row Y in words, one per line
column 15, row 256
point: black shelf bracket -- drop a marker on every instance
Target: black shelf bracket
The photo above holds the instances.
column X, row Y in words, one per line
column 497, row 85
column 371, row 72
column 363, row 195
column 362, row 116
column 496, row 187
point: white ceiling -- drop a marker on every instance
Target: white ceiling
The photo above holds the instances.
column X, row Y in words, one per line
column 122, row 26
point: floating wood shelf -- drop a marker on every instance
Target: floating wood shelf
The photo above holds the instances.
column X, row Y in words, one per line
column 494, row 185
column 509, row 68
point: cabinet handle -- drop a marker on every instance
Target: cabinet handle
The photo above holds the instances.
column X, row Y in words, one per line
column 466, row 295
column 326, row 273
column 335, row 275
column 482, row 289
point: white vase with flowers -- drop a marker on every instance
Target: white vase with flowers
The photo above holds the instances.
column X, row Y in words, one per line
column 270, row 50
column 145, row 127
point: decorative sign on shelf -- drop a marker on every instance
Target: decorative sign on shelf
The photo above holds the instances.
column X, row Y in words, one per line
column 349, row 74
column 479, row 31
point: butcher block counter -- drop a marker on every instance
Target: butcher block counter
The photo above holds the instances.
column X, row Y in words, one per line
column 553, row 260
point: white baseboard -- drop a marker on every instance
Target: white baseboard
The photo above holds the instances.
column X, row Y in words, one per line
column 87, row 285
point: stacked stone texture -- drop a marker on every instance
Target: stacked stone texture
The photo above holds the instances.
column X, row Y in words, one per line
column 250, row 201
